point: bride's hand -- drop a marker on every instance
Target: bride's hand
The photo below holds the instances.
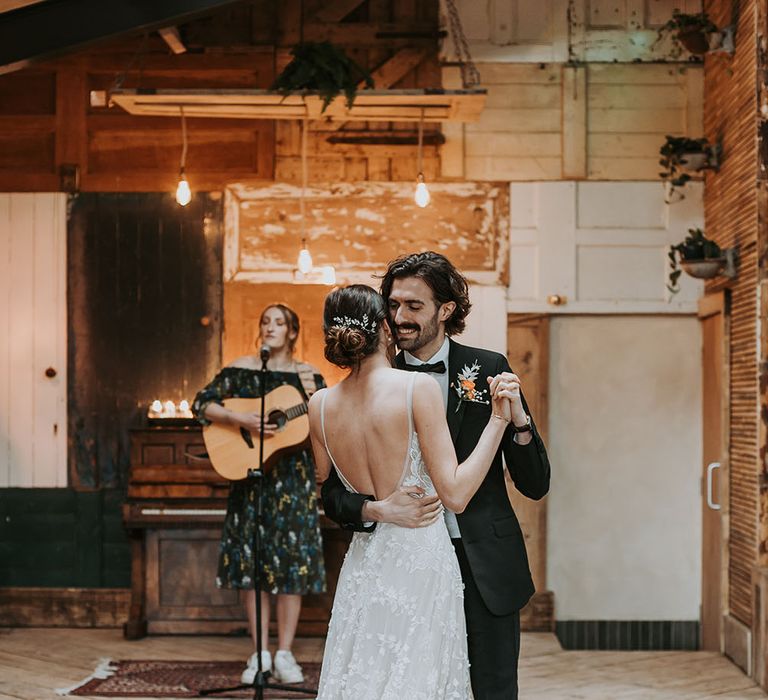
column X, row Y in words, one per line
column 503, row 396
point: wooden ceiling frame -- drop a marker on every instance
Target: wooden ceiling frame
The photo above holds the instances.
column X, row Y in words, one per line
column 431, row 105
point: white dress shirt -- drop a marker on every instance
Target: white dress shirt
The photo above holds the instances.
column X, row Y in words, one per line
column 443, row 380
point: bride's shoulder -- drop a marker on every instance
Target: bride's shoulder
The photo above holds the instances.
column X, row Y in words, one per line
column 313, row 411
column 424, row 385
column 317, row 397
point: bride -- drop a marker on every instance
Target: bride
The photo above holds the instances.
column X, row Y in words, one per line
column 397, row 629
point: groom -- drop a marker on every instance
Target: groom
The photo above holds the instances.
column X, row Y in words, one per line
column 428, row 300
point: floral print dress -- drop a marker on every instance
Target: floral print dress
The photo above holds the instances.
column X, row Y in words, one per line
column 292, row 552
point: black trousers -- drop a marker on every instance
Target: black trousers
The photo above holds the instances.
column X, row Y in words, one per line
column 493, row 641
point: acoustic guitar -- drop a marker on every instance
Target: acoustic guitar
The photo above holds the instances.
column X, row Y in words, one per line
column 234, row 450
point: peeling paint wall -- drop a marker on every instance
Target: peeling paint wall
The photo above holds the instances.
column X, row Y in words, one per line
column 359, row 227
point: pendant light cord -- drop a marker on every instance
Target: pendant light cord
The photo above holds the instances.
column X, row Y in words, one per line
column 419, row 169
column 183, row 139
column 421, row 142
column 303, row 176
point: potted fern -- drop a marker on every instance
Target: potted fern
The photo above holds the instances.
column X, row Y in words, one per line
column 692, row 32
column 324, row 68
column 682, row 157
column 699, row 256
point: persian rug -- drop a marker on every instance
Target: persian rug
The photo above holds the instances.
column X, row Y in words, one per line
column 176, row 679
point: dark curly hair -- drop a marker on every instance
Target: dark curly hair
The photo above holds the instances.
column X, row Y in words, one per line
column 445, row 281
column 351, row 321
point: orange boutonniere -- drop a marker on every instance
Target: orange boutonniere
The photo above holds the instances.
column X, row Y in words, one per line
column 466, row 387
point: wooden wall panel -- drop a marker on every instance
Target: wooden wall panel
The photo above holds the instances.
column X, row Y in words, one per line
column 624, row 30
column 552, row 122
column 512, row 30
column 631, row 109
column 33, row 338
column 528, row 355
column 48, row 122
column 359, row 227
column 518, row 136
column 731, row 217
column 28, row 142
column 145, row 319
column 31, row 92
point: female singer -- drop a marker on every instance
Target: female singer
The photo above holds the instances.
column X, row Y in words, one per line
column 291, row 550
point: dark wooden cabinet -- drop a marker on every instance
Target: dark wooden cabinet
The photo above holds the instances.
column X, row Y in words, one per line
column 174, row 513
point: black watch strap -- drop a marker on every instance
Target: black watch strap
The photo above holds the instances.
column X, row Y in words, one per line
column 527, row 428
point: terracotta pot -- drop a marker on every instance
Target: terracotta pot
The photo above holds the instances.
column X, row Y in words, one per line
column 703, row 269
column 694, row 40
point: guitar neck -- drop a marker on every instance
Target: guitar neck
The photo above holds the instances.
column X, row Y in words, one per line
column 295, row 411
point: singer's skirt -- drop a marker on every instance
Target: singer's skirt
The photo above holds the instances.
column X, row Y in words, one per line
column 291, row 548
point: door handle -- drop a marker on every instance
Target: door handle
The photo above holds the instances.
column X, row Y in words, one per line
column 711, row 468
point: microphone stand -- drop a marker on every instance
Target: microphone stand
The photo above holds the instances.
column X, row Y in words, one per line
column 261, row 681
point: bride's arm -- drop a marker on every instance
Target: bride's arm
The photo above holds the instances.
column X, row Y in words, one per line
column 455, row 483
column 322, row 460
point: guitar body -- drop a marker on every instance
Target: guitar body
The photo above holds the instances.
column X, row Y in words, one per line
column 233, row 450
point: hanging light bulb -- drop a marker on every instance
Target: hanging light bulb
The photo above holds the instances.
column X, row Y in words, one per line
column 328, row 275
column 304, row 261
column 421, row 195
column 183, row 193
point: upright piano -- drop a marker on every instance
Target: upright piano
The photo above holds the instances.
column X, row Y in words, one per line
column 174, row 513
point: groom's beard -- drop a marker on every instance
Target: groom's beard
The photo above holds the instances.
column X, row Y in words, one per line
column 423, row 334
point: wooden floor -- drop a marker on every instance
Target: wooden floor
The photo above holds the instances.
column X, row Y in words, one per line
column 33, row 662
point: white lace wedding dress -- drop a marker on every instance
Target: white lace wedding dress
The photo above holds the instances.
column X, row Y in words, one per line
column 397, row 629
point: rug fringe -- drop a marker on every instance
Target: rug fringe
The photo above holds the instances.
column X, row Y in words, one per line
column 104, row 669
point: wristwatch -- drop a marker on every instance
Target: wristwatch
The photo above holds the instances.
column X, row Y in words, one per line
column 527, row 428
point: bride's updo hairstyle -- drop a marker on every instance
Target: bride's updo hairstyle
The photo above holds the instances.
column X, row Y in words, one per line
column 351, row 321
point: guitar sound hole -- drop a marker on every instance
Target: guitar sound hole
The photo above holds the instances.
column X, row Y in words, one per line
column 278, row 418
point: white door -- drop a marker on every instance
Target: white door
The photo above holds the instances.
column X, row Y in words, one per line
column 33, row 340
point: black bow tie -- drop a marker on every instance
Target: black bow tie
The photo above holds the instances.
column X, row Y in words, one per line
column 434, row 367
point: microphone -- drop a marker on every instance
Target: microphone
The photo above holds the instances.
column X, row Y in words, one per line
column 265, row 352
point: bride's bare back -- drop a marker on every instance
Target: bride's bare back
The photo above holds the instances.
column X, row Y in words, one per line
column 366, row 424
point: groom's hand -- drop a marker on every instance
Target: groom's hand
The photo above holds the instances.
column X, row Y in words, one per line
column 405, row 507
column 509, row 385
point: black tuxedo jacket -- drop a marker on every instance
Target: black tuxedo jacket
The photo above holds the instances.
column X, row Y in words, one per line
column 489, row 528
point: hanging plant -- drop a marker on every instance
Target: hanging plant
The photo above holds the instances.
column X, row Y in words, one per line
column 691, row 32
column 324, row 68
column 697, row 33
column 681, row 157
column 699, row 256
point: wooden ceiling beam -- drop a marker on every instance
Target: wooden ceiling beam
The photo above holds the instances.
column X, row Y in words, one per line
column 337, row 10
column 171, row 36
column 49, row 29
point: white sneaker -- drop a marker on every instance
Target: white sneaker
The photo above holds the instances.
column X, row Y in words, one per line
column 249, row 675
column 286, row 668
